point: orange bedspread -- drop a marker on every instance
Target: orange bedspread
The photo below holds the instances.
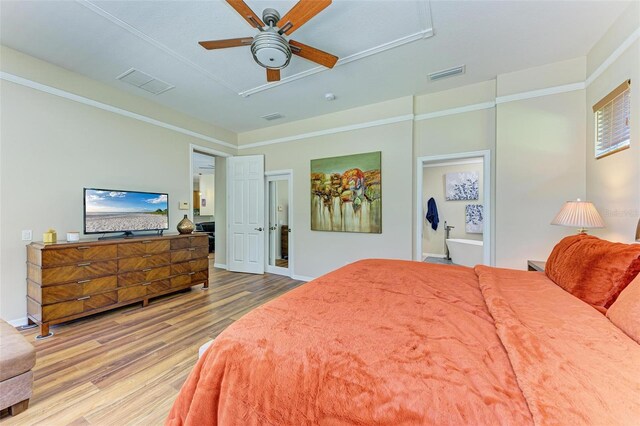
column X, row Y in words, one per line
column 394, row 342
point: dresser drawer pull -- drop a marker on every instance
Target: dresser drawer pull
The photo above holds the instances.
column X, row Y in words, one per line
column 83, row 248
column 192, row 273
column 84, row 264
column 146, row 241
column 192, row 249
column 84, row 298
column 146, row 283
column 146, row 255
column 83, row 281
column 146, row 270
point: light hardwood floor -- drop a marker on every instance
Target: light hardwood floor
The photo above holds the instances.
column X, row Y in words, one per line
column 127, row 366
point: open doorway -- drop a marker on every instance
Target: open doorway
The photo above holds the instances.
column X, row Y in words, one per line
column 279, row 207
column 207, row 180
column 453, row 202
column 204, row 200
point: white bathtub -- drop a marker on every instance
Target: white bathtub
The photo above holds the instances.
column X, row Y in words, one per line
column 465, row 252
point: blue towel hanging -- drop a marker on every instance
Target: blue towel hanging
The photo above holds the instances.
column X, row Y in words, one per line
column 432, row 214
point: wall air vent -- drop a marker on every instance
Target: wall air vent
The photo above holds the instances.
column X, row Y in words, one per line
column 447, row 73
column 144, row 81
column 271, row 117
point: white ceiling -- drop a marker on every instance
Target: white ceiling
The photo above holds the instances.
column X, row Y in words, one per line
column 103, row 39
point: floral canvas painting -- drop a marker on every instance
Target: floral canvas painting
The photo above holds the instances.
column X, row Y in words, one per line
column 462, row 186
column 474, row 220
column 346, row 193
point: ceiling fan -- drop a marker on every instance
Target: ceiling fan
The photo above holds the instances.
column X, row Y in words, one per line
column 269, row 47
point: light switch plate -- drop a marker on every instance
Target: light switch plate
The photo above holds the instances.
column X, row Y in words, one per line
column 184, row 205
column 27, row 235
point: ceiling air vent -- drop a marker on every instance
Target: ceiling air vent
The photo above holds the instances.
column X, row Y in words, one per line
column 446, row 73
column 144, row 81
column 271, row 117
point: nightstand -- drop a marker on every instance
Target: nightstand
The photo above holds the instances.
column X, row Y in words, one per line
column 536, row 265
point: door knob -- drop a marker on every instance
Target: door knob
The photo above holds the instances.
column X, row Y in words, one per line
column 258, row 229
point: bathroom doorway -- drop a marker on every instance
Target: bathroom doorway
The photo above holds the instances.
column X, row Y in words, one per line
column 279, row 208
column 453, row 217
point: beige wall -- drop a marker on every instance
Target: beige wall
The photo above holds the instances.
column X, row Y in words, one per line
column 52, row 147
column 454, row 212
column 540, row 161
column 319, row 252
column 461, row 132
column 613, row 182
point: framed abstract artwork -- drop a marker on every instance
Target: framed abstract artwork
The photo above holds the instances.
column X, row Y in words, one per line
column 474, row 218
column 346, row 193
column 461, row 186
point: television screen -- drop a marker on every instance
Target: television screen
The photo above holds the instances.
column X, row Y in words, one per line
column 107, row 210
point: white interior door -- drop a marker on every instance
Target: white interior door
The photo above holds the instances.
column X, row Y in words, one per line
column 245, row 214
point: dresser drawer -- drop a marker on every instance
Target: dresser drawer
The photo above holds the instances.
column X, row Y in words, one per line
column 191, row 266
column 130, row 293
column 78, row 306
column 180, row 280
column 149, row 274
column 189, row 254
column 156, row 287
column 55, row 257
column 143, row 262
column 143, row 247
column 60, row 293
column 77, row 272
column 196, row 240
column 200, row 276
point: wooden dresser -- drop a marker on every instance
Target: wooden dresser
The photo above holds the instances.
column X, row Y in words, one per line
column 66, row 281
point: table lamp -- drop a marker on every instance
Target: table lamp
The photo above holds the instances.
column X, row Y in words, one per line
column 579, row 214
column 638, row 231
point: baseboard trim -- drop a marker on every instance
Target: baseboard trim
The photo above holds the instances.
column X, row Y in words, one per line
column 19, row 322
column 220, row 265
column 302, row 278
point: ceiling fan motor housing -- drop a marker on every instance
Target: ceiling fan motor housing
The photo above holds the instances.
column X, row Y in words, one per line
column 270, row 49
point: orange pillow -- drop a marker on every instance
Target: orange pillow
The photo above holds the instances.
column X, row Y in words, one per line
column 592, row 269
column 625, row 311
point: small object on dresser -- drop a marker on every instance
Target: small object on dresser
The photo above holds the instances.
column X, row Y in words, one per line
column 185, row 226
column 50, row 236
column 73, row 236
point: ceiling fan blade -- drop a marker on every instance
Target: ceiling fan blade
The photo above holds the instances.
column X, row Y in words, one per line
column 273, row 75
column 301, row 13
column 311, row 53
column 221, row 44
column 246, row 12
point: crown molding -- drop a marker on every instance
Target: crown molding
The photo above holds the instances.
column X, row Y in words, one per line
column 613, row 57
column 106, row 107
column 375, row 123
column 458, row 110
column 541, row 92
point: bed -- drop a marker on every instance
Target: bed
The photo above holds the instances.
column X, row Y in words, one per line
column 389, row 342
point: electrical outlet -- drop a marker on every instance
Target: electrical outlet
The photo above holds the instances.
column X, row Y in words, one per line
column 27, row 235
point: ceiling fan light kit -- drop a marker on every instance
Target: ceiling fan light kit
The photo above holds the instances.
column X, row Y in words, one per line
column 270, row 48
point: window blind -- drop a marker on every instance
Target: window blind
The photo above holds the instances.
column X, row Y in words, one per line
column 613, row 121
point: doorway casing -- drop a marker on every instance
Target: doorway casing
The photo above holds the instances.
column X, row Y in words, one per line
column 487, row 181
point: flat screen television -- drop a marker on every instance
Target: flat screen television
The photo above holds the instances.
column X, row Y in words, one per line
column 109, row 211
